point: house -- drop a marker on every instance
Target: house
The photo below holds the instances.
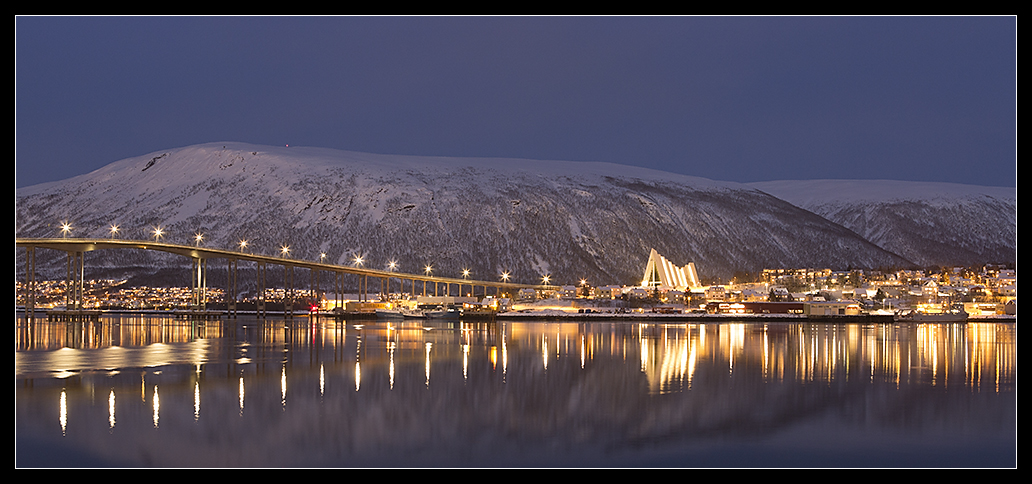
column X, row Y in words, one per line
column 831, row 308
column 716, row 293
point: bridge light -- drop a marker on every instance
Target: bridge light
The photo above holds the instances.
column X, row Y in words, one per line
column 505, row 276
column 198, row 237
column 465, row 273
column 158, row 233
column 285, row 250
column 66, row 228
column 392, row 265
column 114, row 230
column 545, row 279
column 243, row 245
column 358, row 261
column 428, row 269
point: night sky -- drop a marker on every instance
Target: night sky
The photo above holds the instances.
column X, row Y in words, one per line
column 728, row 98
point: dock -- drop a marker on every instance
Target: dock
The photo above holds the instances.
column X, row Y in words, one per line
column 69, row 315
column 198, row 315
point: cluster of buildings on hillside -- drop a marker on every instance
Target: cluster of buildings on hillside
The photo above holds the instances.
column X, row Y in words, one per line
column 104, row 293
column 108, row 293
column 989, row 290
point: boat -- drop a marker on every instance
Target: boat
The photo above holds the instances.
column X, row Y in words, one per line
column 929, row 314
column 389, row 314
column 413, row 313
column 443, row 313
column 478, row 313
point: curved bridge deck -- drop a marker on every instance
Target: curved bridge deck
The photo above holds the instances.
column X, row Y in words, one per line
column 76, row 247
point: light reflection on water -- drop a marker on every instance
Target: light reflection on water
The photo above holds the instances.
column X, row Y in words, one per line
column 151, row 391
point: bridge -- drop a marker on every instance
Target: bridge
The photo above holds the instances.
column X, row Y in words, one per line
column 75, row 248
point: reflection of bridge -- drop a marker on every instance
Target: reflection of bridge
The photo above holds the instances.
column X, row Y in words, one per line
column 75, row 248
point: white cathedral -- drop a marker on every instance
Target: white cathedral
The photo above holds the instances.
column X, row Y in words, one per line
column 663, row 274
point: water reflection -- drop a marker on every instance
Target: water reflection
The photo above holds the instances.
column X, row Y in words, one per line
column 332, row 393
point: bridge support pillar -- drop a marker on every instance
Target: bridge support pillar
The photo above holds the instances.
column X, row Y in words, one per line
column 314, row 290
column 30, row 283
column 340, row 292
column 231, row 287
column 288, row 291
column 260, row 276
column 199, row 284
column 74, row 282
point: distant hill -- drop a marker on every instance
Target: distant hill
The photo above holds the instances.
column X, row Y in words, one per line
column 930, row 224
column 571, row 220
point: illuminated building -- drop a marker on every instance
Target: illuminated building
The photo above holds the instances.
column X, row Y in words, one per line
column 661, row 273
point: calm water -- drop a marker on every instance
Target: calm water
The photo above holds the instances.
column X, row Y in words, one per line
column 151, row 391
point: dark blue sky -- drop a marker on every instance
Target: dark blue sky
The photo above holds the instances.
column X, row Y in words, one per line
column 740, row 98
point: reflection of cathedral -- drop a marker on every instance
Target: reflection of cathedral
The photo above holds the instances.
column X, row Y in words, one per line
column 661, row 273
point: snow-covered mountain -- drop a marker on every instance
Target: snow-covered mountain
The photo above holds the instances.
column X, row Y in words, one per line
column 930, row 224
column 571, row 220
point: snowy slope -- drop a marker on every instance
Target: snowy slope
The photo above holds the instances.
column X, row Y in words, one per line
column 931, row 224
column 529, row 217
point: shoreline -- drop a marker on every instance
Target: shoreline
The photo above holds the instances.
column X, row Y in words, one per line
column 757, row 318
column 548, row 315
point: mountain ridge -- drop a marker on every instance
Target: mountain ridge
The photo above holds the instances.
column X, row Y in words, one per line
column 528, row 217
column 929, row 223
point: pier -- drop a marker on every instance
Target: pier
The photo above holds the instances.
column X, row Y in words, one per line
column 198, row 315
column 72, row 315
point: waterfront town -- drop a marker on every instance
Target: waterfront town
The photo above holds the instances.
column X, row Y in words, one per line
column 986, row 291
